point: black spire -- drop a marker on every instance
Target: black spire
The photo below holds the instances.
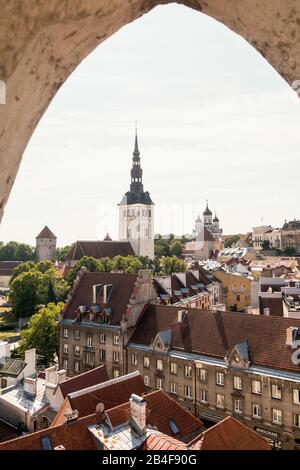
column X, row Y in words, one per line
column 136, row 185
column 136, row 194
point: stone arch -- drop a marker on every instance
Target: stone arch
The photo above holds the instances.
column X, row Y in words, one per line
column 41, row 43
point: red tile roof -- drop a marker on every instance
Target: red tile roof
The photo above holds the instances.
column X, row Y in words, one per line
column 229, row 434
column 73, row 436
column 112, row 393
column 160, row 441
column 215, row 334
column 87, row 379
column 7, row 267
column 123, row 286
column 160, row 409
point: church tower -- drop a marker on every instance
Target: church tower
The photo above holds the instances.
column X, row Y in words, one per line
column 136, row 211
column 207, row 216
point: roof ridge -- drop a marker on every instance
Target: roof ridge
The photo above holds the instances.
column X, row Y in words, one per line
column 102, row 385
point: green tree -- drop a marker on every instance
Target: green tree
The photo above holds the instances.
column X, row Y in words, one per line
column 27, row 291
column 14, row 251
column 231, row 241
column 42, row 333
column 105, row 265
column 289, row 250
column 176, row 248
column 23, row 268
column 61, row 253
column 119, row 263
column 145, row 261
column 171, row 264
column 265, row 245
column 133, row 264
column 45, row 265
column 92, row 265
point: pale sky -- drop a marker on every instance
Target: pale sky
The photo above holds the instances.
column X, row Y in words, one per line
column 215, row 120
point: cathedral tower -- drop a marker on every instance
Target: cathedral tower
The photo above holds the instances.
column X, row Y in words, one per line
column 136, row 211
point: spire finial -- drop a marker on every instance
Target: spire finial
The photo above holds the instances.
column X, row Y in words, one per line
column 206, row 203
column 136, row 152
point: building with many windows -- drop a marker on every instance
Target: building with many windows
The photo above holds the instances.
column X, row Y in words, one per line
column 218, row 364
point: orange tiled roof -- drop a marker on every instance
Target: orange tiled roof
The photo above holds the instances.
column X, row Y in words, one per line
column 160, row 441
column 229, row 434
column 87, row 379
column 160, row 409
column 111, row 394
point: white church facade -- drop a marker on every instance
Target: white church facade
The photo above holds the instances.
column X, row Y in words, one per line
column 136, row 212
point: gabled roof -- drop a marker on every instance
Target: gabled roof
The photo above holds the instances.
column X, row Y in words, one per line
column 123, row 286
column 229, row 434
column 111, row 393
column 12, row 367
column 215, row 334
column 82, row 381
column 161, row 408
column 73, row 436
column 46, row 233
column 99, row 249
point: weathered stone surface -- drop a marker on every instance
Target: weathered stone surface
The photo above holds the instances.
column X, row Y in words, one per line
column 42, row 42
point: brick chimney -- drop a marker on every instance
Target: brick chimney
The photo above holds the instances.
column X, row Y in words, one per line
column 138, row 413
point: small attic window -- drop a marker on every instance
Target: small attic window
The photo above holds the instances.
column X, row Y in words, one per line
column 173, row 427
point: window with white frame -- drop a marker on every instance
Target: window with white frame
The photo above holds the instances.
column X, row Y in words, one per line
column 159, row 364
column 77, row 350
column 256, row 387
column 256, row 410
column 296, row 420
column 65, row 364
column 134, row 359
column 296, row 396
column 237, row 383
column 276, row 416
column 203, row 396
column 88, row 358
column 276, row 391
column 116, row 356
column 188, row 391
column 146, row 361
column 220, row 401
column 77, row 366
column 147, row 380
column 66, row 333
column 188, row 371
column 173, row 368
column 238, row 405
column 102, row 338
column 159, row 383
column 173, row 387
column 203, row 375
column 77, row 334
column 219, row 378
column 102, row 354
column 66, row 348
column 116, row 340
column 89, row 341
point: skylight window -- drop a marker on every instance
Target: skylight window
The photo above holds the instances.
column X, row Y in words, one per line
column 46, row 443
column 173, row 427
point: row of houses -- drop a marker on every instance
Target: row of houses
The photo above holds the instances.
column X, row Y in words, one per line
column 213, row 363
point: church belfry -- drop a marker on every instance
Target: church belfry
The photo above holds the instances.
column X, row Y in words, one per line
column 136, row 211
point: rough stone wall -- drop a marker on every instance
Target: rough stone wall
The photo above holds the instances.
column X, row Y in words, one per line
column 42, row 42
